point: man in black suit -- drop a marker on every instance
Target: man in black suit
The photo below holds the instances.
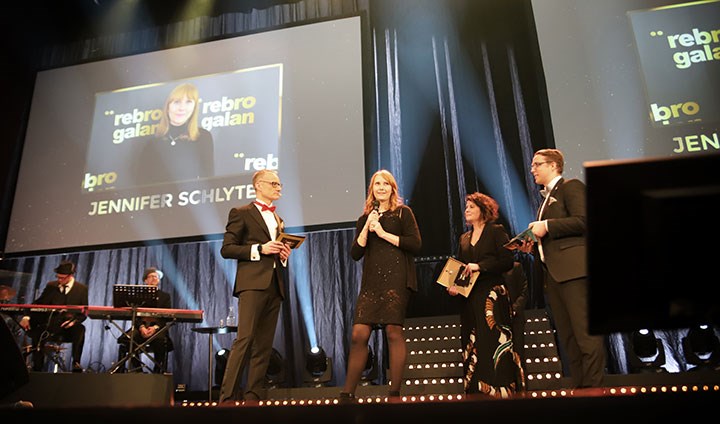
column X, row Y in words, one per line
column 147, row 327
column 60, row 326
column 561, row 230
column 249, row 239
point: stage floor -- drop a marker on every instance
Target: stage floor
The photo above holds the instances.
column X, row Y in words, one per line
column 122, row 398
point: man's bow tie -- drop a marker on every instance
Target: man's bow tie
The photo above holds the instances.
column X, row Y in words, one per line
column 264, row 207
column 544, row 192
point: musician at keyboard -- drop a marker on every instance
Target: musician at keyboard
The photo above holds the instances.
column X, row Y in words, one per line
column 58, row 326
column 148, row 326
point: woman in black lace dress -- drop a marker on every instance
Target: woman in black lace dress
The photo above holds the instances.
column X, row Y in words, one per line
column 491, row 365
column 386, row 238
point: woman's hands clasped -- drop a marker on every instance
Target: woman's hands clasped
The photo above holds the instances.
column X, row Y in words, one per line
column 373, row 223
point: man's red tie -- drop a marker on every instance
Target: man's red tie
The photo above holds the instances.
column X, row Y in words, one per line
column 264, row 207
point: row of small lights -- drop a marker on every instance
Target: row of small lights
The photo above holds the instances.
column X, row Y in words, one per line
column 434, row 365
column 431, row 327
column 536, row 319
column 633, row 390
column 335, row 401
column 432, row 339
column 436, row 351
column 615, row 391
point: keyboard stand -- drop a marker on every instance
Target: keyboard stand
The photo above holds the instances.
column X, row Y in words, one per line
column 136, row 349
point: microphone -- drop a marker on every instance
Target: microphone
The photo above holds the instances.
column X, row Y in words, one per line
column 376, row 205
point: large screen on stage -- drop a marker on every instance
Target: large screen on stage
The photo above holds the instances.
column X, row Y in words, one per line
column 161, row 145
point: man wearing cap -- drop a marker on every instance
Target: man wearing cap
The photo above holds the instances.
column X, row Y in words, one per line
column 61, row 326
column 147, row 327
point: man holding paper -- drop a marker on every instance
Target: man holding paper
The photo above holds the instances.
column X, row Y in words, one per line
column 251, row 239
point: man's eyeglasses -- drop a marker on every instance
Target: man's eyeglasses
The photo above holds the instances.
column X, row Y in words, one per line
column 536, row 164
column 274, row 184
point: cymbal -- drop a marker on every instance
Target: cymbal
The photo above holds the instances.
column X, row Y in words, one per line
column 7, row 293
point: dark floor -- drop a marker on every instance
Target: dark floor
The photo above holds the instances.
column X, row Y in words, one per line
column 123, row 398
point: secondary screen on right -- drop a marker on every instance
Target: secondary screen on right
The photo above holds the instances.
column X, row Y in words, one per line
column 630, row 79
column 633, row 93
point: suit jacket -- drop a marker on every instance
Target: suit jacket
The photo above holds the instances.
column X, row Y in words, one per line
column 488, row 253
column 246, row 227
column 51, row 295
column 564, row 247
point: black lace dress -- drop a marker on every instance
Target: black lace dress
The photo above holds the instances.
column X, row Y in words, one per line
column 388, row 271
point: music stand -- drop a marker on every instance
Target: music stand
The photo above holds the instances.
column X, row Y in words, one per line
column 133, row 296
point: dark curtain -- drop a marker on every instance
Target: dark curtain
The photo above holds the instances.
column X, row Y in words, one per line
column 454, row 108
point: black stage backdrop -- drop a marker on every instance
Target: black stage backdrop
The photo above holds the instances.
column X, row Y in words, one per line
column 458, row 105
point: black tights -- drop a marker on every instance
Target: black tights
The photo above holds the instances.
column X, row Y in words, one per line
column 359, row 352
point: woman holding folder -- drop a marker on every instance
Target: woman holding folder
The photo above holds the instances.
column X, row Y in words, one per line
column 490, row 363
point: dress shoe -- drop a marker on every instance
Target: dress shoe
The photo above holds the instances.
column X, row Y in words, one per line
column 22, row 404
column 250, row 399
column 346, row 398
column 77, row 368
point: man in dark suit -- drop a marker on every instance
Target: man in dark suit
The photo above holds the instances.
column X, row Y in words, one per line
column 62, row 326
column 249, row 239
column 561, row 230
column 147, row 327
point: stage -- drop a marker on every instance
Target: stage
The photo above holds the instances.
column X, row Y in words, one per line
column 122, row 398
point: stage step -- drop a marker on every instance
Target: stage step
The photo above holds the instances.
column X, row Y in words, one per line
column 434, row 360
column 543, row 368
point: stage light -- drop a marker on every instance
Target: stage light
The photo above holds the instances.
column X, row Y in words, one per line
column 318, row 368
column 646, row 353
column 221, row 358
column 275, row 375
column 701, row 347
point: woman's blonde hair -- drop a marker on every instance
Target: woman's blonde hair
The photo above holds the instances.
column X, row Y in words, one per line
column 183, row 90
column 395, row 199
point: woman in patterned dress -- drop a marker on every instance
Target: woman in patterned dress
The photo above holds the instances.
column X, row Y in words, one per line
column 490, row 363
